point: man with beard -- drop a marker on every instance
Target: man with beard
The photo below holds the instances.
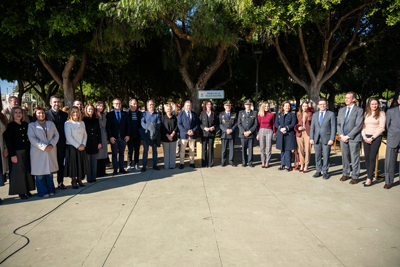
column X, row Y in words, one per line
column 58, row 117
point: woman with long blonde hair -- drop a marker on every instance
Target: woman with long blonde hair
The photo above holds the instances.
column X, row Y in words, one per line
column 266, row 130
column 76, row 160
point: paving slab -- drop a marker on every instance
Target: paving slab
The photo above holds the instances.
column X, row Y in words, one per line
column 219, row 216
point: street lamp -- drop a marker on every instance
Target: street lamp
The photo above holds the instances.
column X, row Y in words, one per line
column 257, row 56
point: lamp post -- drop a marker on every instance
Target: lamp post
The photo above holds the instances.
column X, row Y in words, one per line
column 257, row 56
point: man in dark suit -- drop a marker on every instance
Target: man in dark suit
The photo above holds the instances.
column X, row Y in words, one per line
column 187, row 124
column 118, row 130
column 58, row 117
column 322, row 136
column 247, row 123
column 228, row 124
column 349, row 124
column 134, row 116
column 393, row 143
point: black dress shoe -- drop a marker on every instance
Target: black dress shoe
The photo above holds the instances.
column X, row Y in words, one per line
column 251, row 165
column 115, row 172
column 223, row 165
column 23, row 196
column 144, row 169
column 289, row 169
column 29, row 194
column 181, row 166
column 326, row 176
column 192, row 165
column 233, row 164
column 316, row 175
column 62, row 186
column 122, row 171
column 244, row 165
column 156, row 168
column 281, row 168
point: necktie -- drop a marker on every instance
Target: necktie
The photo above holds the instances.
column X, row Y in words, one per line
column 228, row 114
column 248, row 114
column 345, row 120
column 321, row 118
column 118, row 117
column 190, row 116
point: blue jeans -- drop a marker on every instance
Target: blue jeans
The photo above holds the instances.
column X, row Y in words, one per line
column 146, row 151
column 45, row 184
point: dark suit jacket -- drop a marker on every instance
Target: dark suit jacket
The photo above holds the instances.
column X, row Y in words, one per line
column 59, row 122
column 134, row 132
column 185, row 125
column 393, row 127
column 354, row 123
column 225, row 124
column 286, row 141
column 206, row 121
column 247, row 124
column 327, row 128
column 113, row 127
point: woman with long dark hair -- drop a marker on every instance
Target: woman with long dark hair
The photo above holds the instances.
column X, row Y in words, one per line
column 94, row 142
column 373, row 127
column 21, row 180
column 43, row 136
column 209, row 123
column 286, row 137
column 102, row 156
column 76, row 160
column 304, row 117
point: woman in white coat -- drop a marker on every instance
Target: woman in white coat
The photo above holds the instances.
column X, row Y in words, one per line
column 76, row 160
column 43, row 137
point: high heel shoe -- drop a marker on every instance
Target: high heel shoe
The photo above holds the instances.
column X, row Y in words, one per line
column 80, row 182
column 74, row 183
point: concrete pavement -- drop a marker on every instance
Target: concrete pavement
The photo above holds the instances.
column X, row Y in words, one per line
column 208, row 217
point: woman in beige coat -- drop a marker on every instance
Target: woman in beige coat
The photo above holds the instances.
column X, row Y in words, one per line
column 43, row 136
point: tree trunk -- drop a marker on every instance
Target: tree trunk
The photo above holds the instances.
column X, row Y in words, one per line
column 67, row 82
column 21, row 91
column 313, row 94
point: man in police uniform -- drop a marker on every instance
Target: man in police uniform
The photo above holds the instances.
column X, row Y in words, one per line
column 247, row 123
column 228, row 125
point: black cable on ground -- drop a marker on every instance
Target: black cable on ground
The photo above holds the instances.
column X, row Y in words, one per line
column 41, row 217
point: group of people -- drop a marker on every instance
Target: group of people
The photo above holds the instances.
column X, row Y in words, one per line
column 74, row 144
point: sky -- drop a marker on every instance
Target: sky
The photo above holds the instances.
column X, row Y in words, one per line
column 4, row 85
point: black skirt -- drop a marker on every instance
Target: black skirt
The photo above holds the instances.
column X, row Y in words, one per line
column 76, row 163
column 21, row 180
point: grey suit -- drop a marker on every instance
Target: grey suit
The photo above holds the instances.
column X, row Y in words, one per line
column 321, row 134
column 393, row 143
column 351, row 149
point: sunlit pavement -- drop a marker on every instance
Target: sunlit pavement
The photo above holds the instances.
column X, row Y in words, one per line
column 231, row 216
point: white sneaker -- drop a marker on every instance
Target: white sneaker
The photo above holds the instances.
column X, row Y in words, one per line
column 129, row 169
column 138, row 168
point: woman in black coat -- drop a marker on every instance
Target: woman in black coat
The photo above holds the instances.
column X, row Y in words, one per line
column 286, row 136
column 169, row 136
column 93, row 143
column 16, row 135
column 209, row 123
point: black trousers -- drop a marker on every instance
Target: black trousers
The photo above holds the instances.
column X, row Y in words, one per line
column 247, row 143
column 225, row 143
column 133, row 144
column 207, row 159
column 370, row 152
column 60, row 172
column 101, row 167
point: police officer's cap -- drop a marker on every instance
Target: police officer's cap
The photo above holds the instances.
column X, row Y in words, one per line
column 228, row 103
column 247, row 102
